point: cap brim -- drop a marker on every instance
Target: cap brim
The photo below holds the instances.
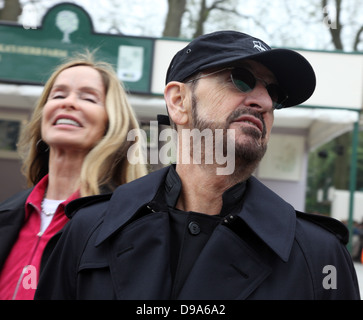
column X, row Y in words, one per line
column 292, row 71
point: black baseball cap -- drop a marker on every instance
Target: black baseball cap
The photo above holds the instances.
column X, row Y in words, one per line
column 229, row 48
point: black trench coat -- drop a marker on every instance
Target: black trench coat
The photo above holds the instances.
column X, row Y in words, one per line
column 12, row 215
column 119, row 249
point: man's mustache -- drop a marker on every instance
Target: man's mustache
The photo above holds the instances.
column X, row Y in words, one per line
column 236, row 114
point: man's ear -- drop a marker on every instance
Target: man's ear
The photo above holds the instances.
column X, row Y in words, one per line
column 175, row 98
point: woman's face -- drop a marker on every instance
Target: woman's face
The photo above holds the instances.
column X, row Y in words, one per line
column 74, row 116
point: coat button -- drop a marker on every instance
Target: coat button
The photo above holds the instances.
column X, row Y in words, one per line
column 194, row 228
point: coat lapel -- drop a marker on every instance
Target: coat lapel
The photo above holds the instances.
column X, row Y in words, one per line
column 234, row 261
column 127, row 200
column 272, row 219
column 227, row 267
column 241, row 252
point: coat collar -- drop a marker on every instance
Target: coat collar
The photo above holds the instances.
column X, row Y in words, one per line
column 269, row 216
column 127, row 199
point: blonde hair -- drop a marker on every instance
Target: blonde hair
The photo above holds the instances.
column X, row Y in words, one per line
column 106, row 165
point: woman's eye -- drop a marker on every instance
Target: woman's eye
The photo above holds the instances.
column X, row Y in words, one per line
column 90, row 100
column 57, row 96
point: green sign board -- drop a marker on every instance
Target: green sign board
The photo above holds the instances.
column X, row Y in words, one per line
column 28, row 56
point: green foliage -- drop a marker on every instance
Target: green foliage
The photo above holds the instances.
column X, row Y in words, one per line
column 329, row 167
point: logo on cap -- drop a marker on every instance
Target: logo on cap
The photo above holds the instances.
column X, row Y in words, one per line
column 259, row 46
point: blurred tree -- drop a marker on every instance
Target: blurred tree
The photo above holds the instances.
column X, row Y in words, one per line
column 333, row 22
column 204, row 13
column 11, row 10
column 300, row 23
column 173, row 22
column 333, row 12
column 198, row 14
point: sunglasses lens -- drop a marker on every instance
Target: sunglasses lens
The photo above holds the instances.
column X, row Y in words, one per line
column 243, row 80
column 277, row 95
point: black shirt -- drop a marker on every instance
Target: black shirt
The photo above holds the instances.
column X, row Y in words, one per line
column 190, row 231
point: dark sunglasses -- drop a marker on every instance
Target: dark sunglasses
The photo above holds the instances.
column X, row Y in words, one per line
column 245, row 81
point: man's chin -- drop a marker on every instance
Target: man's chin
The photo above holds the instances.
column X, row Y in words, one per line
column 249, row 140
column 249, row 149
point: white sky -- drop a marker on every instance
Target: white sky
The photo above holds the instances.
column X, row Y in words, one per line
column 299, row 27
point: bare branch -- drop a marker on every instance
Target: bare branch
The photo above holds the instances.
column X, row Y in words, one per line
column 357, row 39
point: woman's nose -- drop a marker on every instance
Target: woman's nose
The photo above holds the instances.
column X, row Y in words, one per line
column 69, row 102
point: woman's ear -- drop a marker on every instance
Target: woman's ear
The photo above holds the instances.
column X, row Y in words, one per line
column 175, row 99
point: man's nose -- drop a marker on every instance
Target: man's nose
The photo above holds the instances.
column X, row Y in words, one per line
column 259, row 98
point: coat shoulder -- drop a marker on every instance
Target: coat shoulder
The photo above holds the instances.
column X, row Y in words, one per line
column 86, row 202
column 85, row 214
column 331, row 225
column 15, row 201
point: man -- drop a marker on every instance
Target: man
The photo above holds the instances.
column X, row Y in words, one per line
column 188, row 232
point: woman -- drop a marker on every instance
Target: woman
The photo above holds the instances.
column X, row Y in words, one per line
column 74, row 146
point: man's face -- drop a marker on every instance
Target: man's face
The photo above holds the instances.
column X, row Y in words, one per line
column 218, row 104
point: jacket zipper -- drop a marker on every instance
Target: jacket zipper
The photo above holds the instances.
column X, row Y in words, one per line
column 39, row 235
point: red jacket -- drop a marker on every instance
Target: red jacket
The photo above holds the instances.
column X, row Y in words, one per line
column 20, row 259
